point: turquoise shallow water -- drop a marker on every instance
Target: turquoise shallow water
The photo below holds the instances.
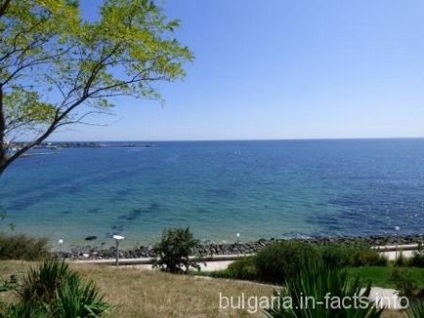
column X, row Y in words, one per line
column 255, row 188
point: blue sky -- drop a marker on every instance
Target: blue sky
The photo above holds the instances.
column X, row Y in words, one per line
column 284, row 69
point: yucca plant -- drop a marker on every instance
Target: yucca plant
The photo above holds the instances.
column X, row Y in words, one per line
column 416, row 309
column 54, row 290
column 79, row 300
column 323, row 290
column 41, row 284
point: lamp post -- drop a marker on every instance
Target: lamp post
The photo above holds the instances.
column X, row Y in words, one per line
column 238, row 238
column 60, row 241
column 397, row 228
column 117, row 239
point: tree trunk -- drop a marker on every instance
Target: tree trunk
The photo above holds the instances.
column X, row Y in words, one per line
column 3, row 154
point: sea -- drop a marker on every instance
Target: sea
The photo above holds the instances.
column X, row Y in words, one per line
column 222, row 190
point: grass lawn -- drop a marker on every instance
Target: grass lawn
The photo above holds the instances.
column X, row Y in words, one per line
column 380, row 276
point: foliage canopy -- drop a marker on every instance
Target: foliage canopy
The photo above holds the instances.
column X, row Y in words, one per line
column 57, row 68
column 174, row 250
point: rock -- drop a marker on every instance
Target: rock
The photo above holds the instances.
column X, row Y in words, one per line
column 207, row 250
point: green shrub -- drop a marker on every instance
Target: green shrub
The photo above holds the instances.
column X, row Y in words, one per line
column 274, row 263
column 367, row 257
column 174, row 250
column 243, row 268
column 53, row 290
column 339, row 254
column 401, row 260
column 352, row 255
column 21, row 247
column 417, row 259
column 406, row 284
column 278, row 261
column 310, row 294
column 223, row 273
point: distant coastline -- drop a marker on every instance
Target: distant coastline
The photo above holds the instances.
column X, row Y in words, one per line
column 142, row 141
column 88, row 144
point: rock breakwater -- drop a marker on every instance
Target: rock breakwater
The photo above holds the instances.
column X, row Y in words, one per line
column 216, row 249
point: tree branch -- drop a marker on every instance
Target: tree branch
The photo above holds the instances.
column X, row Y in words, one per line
column 2, row 129
column 3, row 7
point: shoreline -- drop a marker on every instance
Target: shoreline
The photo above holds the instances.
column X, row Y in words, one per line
column 89, row 252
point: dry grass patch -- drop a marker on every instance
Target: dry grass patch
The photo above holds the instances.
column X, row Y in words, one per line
column 142, row 293
column 7, row 268
column 393, row 314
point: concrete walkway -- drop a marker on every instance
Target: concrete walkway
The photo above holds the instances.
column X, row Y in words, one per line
column 222, row 261
column 225, row 259
column 206, row 267
column 391, row 256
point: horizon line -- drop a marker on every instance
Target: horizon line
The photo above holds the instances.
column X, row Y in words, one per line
column 234, row 140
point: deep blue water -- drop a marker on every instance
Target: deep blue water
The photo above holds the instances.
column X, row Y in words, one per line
column 255, row 188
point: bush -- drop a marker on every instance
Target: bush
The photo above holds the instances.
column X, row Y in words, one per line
column 406, row 284
column 174, row 250
column 352, row 255
column 243, row 268
column 339, row 254
column 417, row 259
column 367, row 257
column 314, row 283
column 21, row 247
column 401, row 260
column 278, row 261
column 53, row 290
column 274, row 263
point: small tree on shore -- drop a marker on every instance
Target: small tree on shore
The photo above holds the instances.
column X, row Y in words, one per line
column 174, row 250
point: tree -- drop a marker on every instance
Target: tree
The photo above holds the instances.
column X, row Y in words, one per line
column 174, row 250
column 57, row 69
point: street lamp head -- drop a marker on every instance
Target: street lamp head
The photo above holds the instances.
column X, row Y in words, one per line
column 238, row 234
column 397, row 228
column 118, row 237
column 60, row 241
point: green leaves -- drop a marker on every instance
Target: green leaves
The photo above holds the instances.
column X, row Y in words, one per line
column 53, row 62
column 54, row 290
column 174, row 250
column 25, row 107
column 323, row 290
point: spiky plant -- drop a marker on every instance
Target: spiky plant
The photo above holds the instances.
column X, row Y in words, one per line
column 41, row 284
column 77, row 299
column 54, row 290
column 416, row 309
column 323, row 291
